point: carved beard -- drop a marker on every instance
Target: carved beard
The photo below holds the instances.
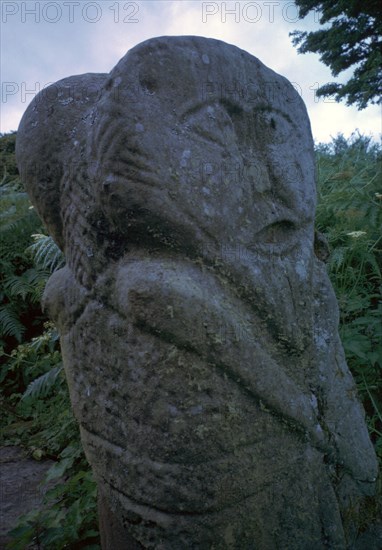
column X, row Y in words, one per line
column 279, row 291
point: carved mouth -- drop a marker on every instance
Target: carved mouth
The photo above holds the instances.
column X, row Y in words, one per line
column 276, row 232
column 277, row 237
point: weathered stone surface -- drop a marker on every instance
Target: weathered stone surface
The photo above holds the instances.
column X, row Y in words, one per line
column 198, row 327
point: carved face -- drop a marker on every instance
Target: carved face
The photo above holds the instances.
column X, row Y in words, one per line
column 220, row 148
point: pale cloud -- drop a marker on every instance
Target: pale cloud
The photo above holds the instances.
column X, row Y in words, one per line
column 36, row 53
column 328, row 119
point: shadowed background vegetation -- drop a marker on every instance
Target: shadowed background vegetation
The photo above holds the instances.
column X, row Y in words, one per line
column 34, row 395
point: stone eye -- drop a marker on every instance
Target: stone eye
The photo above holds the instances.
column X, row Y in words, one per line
column 233, row 109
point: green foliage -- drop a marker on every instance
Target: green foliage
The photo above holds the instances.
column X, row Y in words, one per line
column 46, row 253
column 21, row 282
column 349, row 213
column 69, row 518
column 41, row 386
column 39, row 417
column 28, row 361
column 8, row 168
column 351, row 38
column 10, row 324
column 27, row 257
column 34, row 394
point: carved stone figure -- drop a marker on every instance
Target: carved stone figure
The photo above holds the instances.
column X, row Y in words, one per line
column 198, row 327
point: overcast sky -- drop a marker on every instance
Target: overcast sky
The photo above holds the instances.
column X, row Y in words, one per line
column 42, row 42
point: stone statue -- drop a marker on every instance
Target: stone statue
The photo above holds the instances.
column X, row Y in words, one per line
column 198, row 327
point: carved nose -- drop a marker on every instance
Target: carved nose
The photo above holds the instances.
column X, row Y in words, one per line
column 258, row 177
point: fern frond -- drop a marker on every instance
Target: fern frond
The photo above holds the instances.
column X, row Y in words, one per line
column 17, row 286
column 10, row 324
column 375, row 266
column 12, row 195
column 11, row 223
column 337, row 258
column 46, row 253
column 31, row 283
column 41, row 386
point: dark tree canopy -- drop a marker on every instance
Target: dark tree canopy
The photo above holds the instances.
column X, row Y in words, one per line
column 351, row 38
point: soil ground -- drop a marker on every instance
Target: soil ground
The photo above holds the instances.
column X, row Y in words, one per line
column 20, row 491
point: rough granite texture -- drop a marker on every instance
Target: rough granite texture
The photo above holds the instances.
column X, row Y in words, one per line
column 198, row 327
